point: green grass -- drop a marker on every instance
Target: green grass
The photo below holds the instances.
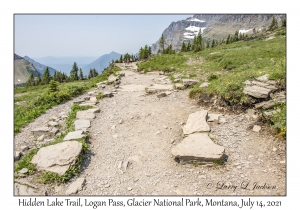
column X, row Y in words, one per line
column 39, row 100
column 48, row 177
column 165, row 63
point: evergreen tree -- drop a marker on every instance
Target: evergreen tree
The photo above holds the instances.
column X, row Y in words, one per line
column 149, row 52
column 80, row 74
column 213, row 44
column 30, row 81
column 74, row 72
column 121, row 59
column 183, row 47
column 228, row 39
column 283, row 23
column 46, row 76
column 162, row 42
column 189, row 46
column 53, row 86
column 39, row 80
column 274, row 24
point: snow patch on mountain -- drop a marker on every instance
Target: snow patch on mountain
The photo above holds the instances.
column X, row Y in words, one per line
column 193, row 31
column 197, row 20
column 243, row 31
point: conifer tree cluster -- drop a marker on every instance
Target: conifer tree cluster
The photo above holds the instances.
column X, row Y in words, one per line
column 93, row 73
column 145, row 52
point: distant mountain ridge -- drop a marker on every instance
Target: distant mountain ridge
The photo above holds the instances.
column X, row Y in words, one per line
column 40, row 67
column 101, row 63
column 22, row 70
column 214, row 26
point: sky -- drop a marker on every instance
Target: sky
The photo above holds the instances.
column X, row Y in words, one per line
column 87, row 35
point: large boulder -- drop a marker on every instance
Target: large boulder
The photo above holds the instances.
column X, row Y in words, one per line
column 57, row 158
column 257, row 92
column 196, row 123
column 25, row 190
column 199, row 148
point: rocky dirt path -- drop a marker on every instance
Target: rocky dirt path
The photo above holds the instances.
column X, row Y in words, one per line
column 132, row 137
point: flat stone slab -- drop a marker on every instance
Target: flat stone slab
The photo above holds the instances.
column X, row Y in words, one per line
column 50, row 131
column 88, row 104
column 133, row 88
column 82, row 124
column 189, row 82
column 257, row 92
column 75, row 135
column 158, row 87
column 75, row 186
column 256, row 128
column 196, row 123
column 23, row 190
column 85, row 115
column 198, row 147
column 211, row 117
column 57, row 158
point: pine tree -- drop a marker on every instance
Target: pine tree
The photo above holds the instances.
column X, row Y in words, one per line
column 121, row 59
column 188, row 48
column 274, row 24
column 283, row 23
column 213, row 44
column 46, row 76
column 74, row 72
column 30, row 81
column 149, row 51
column 183, row 47
column 162, row 42
column 80, row 74
column 53, row 86
column 39, row 80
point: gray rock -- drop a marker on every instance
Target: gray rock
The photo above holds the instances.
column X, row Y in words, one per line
column 256, row 128
column 92, row 92
column 57, row 158
column 161, row 95
column 93, row 99
column 269, row 104
column 41, row 138
column 17, row 156
column 107, row 94
column 251, row 112
column 75, row 135
column 256, row 91
column 121, row 121
column 189, row 82
column 52, row 123
column 75, row 186
column 161, row 73
column 263, row 78
column 44, row 130
column 78, row 101
column 204, row 84
column 264, row 85
column 23, row 171
column 179, row 86
column 212, row 117
column 23, row 148
column 82, row 124
column 22, row 190
column 198, row 147
column 111, row 78
column 196, row 123
column 85, row 115
column 88, row 104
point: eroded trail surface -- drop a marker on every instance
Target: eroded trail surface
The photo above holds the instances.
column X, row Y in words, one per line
column 132, row 137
